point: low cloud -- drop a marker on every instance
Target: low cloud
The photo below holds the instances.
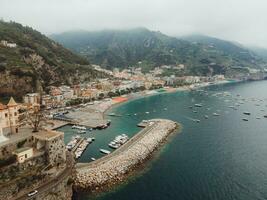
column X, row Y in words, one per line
column 237, row 20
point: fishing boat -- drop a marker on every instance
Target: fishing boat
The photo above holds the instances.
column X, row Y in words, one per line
column 216, row 114
column 246, row 113
column 104, row 151
column 198, row 105
column 206, row 117
column 245, row 119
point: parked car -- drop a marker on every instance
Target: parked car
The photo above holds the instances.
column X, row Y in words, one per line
column 32, row 193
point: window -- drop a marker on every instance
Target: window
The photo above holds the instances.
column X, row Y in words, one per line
column 25, row 155
column 15, row 113
column 6, row 115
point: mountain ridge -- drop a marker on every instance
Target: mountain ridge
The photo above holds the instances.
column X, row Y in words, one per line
column 124, row 48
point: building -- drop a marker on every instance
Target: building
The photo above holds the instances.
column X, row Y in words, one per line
column 51, row 142
column 7, row 44
column 23, row 154
column 9, row 118
column 32, row 98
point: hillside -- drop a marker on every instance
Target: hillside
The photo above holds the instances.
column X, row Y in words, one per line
column 148, row 49
column 36, row 62
column 260, row 51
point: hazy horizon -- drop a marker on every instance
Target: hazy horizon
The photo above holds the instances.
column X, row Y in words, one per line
column 243, row 22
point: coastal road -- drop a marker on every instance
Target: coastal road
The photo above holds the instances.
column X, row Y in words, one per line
column 49, row 185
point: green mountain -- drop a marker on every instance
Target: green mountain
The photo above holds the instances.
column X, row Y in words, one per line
column 260, row 51
column 36, row 62
column 148, row 49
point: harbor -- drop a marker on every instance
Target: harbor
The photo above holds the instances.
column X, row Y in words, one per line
column 114, row 167
column 78, row 145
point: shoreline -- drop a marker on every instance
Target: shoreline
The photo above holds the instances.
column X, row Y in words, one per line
column 99, row 114
column 116, row 167
column 173, row 90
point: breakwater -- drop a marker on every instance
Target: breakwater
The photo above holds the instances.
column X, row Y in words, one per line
column 112, row 168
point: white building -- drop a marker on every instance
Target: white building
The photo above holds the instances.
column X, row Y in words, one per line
column 7, row 44
column 32, row 98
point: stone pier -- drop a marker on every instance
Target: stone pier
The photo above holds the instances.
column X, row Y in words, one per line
column 114, row 167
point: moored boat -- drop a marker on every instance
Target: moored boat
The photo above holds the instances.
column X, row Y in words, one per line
column 104, row 151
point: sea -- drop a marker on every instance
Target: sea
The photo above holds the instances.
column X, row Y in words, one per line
column 219, row 154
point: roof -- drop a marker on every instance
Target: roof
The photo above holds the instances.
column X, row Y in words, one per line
column 2, row 106
column 12, row 102
column 20, row 150
column 47, row 135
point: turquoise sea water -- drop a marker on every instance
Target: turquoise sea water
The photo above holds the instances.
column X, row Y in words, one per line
column 222, row 157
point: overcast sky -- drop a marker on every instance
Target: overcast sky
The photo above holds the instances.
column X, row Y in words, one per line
column 244, row 21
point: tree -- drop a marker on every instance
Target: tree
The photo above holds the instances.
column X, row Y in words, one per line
column 34, row 118
column 101, row 95
column 111, row 94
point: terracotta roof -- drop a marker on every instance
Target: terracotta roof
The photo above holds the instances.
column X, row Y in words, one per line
column 12, row 102
column 2, row 107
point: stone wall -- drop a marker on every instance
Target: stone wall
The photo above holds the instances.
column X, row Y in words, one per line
column 8, row 149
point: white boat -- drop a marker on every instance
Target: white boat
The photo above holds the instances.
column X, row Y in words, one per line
column 216, row 114
column 81, row 132
column 93, row 159
column 198, row 105
column 89, row 140
column 104, row 151
column 113, row 145
column 81, row 127
column 78, row 127
column 74, row 126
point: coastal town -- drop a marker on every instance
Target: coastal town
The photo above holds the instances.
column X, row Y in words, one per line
column 133, row 100
column 31, row 144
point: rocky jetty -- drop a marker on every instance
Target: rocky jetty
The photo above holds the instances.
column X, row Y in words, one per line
column 114, row 167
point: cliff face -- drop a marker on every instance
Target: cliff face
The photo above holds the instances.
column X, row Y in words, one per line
column 62, row 191
column 29, row 61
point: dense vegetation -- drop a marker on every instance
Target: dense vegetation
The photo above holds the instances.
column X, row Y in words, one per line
column 148, row 49
column 37, row 62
